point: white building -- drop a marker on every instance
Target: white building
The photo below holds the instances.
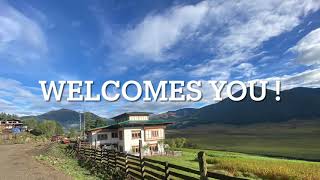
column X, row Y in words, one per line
column 125, row 134
column 10, row 124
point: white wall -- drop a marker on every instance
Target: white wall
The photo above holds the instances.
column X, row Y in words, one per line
column 127, row 141
column 110, row 140
column 137, row 118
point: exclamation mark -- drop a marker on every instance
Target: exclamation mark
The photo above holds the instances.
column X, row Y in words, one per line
column 278, row 86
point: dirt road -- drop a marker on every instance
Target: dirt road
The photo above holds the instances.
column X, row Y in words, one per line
column 17, row 163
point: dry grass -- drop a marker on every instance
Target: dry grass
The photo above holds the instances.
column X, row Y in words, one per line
column 267, row 168
column 244, row 165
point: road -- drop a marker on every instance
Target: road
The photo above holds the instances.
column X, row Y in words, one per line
column 17, row 163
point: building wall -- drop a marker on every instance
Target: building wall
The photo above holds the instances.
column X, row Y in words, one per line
column 93, row 138
column 127, row 141
column 137, row 118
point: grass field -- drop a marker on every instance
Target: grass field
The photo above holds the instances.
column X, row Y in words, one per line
column 244, row 165
column 294, row 139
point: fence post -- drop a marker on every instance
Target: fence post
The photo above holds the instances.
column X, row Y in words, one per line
column 126, row 164
column 141, row 159
column 108, row 159
column 202, row 165
column 101, row 155
column 166, row 171
column 115, row 158
column 79, row 145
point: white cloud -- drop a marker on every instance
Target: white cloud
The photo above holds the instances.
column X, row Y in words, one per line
column 227, row 27
column 308, row 78
column 21, row 39
column 157, row 33
column 242, row 31
column 246, row 69
column 308, row 48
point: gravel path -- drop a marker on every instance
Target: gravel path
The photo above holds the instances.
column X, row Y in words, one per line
column 17, row 163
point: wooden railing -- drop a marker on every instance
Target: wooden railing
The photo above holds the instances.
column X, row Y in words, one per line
column 138, row 167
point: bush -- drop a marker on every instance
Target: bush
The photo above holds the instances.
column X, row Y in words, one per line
column 180, row 143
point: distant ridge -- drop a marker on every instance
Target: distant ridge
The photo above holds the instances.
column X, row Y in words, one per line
column 297, row 103
column 66, row 117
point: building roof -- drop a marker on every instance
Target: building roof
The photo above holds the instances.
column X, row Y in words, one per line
column 132, row 114
column 131, row 123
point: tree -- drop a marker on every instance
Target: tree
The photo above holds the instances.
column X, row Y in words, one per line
column 176, row 142
column 100, row 122
column 31, row 123
column 180, row 142
column 5, row 116
column 72, row 133
column 93, row 121
column 59, row 129
column 50, row 128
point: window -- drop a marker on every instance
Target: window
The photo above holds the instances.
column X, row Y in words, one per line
column 153, row 147
column 136, row 134
column 120, row 135
column 155, row 133
column 102, row 137
column 135, row 149
column 114, row 135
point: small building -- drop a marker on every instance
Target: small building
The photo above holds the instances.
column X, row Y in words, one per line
column 10, row 124
column 128, row 130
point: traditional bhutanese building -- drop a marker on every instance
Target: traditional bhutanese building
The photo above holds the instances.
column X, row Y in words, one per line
column 128, row 130
column 10, row 124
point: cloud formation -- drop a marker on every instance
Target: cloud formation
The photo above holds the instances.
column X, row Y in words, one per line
column 157, row 33
column 21, row 38
column 308, row 48
column 247, row 27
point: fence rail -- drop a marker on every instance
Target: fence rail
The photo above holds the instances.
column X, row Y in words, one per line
column 138, row 167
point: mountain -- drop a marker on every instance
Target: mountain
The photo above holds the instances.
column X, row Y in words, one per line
column 67, row 118
column 298, row 103
column 175, row 114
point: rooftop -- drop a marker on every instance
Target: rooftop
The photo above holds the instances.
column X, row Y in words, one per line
column 131, row 123
column 132, row 114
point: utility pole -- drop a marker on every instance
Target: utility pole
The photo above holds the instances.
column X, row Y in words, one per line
column 80, row 122
column 84, row 125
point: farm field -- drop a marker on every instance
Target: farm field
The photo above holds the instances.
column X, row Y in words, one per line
column 244, row 165
column 294, row 139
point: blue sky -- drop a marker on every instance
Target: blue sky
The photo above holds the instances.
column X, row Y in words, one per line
column 152, row 40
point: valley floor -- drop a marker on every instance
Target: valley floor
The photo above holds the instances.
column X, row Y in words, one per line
column 293, row 139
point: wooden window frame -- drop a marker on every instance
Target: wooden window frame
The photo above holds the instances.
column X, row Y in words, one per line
column 114, row 135
column 153, row 147
column 120, row 135
column 136, row 134
column 135, row 149
column 155, row 134
column 102, row 137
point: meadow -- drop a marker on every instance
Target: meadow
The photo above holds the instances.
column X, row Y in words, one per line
column 294, row 139
column 250, row 166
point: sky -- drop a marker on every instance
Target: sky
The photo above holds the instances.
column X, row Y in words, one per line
column 152, row 40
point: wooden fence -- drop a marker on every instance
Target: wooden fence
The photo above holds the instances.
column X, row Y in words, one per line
column 139, row 167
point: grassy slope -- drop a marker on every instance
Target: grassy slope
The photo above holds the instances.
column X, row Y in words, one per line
column 56, row 157
column 244, row 165
column 295, row 139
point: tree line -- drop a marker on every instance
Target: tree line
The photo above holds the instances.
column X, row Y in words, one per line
column 5, row 116
column 46, row 128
